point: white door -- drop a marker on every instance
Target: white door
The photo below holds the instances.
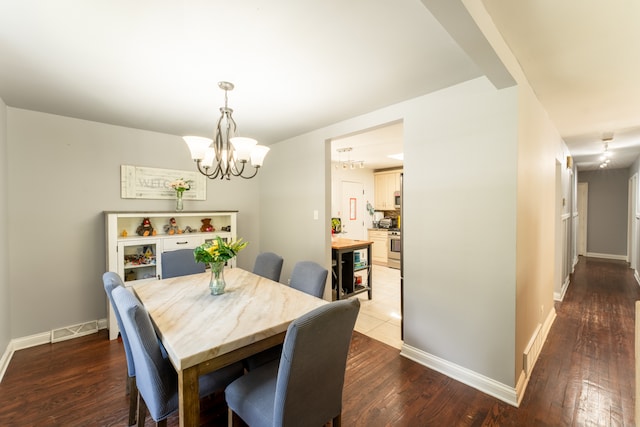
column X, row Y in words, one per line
column 353, row 210
column 583, row 200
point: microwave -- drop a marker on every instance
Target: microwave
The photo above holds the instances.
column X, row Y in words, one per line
column 397, row 202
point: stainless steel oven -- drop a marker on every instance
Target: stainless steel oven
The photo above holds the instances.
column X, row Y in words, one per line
column 394, row 249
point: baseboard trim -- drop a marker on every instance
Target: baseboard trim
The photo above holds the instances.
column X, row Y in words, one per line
column 31, row 341
column 6, row 358
column 607, row 256
column 637, row 276
column 466, row 376
column 510, row 395
column 560, row 296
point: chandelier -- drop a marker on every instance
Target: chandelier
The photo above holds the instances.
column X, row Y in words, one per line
column 227, row 155
column 348, row 164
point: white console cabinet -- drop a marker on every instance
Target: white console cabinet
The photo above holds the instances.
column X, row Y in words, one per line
column 136, row 257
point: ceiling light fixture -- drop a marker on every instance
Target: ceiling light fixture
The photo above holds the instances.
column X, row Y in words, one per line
column 348, row 164
column 605, row 158
column 229, row 154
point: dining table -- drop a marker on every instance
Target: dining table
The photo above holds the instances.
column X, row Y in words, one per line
column 202, row 332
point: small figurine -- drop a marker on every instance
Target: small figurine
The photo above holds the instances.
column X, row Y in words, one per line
column 188, row 229
column 145, row 229
column 124, row 233
column 172, row 227
column 206, row 225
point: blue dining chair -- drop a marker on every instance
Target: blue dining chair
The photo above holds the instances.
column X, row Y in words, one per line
column 180, row 263
column 156, row 379
column 269, row 265
column 304, row 387
column 309, row 277
column 111, row 281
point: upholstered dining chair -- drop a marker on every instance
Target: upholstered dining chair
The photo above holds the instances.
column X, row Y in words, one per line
column 269, row 265
column 111, row 281
column 156, row 378
column 180, row 263
column 304, row 387
column 309, row 277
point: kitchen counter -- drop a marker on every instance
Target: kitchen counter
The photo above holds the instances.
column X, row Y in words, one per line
column 342, row 243
column 350, row 274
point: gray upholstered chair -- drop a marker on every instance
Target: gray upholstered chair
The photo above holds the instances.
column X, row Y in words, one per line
column 268, row 265
column 309, row 277
column 303, row 388
column 180, row 263
column 111, row 281
column 156, row 379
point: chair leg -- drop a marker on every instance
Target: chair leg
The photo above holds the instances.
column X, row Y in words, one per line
column 162, row 423
column 133, row 399
column 337, row 420
column 233, row 420
column 142, row 411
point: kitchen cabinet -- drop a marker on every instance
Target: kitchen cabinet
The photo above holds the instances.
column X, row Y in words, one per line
column 138, row 258
column 379, row 238
column 385, row 185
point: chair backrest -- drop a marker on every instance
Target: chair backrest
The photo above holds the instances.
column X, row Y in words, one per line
column 309, row 277
column 180, row 263
column 313, row 363
column 268, row 265
column 111, row 281
column 156, row 379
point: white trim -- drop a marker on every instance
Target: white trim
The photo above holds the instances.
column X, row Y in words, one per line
column 512, row 396
column 636, row 276
column 30, row 341
column 560, row 296
column 466, row 376
column 6, row 358
column 607, row 256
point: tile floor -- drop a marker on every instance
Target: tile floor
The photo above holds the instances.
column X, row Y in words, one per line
column 379, row 318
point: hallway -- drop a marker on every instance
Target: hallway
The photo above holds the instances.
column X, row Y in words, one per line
column 585, row 375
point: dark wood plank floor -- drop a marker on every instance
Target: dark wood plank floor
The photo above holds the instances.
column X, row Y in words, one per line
column 584, row 377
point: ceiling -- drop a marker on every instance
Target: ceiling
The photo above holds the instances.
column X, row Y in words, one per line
column 300, row 66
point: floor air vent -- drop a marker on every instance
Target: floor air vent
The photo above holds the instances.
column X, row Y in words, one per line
column 74, row 331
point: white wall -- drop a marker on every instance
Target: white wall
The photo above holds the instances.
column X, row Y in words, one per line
column 56, row 203
column 5, row 308
column 458, row 218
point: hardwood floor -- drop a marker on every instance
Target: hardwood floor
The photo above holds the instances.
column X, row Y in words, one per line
column 584, row 377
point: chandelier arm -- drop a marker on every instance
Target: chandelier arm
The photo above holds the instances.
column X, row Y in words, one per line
column 257, row 168
column 205, row 171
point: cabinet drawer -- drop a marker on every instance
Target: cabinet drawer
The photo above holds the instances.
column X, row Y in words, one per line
column 181, row 242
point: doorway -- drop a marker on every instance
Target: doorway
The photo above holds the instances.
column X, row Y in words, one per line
column 354, row 159
column 352, row 210
column 583, row 203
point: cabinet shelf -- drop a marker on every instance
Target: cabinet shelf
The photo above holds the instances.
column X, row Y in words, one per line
column 351, row 269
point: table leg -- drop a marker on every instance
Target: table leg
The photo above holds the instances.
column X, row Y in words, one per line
column 189, row 397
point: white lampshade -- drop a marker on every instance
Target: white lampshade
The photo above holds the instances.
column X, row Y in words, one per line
column 209, row 157
column 258, row 154
column 243, row 147
column 197, row 145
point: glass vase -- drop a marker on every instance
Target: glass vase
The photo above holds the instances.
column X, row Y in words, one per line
column 179, row 205
column 217, row 283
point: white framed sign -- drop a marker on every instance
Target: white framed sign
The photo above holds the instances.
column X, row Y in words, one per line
column 140, row 182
